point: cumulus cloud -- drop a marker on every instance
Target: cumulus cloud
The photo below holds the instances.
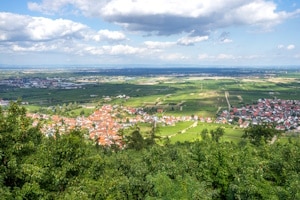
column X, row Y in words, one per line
column 37, row 47
column 225, row 56
column 174, row 57
column 113, row 50
column 224, row 37
column 107, row 35
column 158, row 45
column 184, row 41
column 204, row 56
column 123, row 49
column 55, row 46
column 14, row 27
column 22, row 33
column 221, row 56
column 227, row 40
column 188, row 41
column 166, row 17
column 288, row 47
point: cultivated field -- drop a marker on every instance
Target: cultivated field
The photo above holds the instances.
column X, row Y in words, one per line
column 176, row 95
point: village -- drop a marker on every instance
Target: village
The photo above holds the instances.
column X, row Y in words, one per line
column 104, row 124
column 284, row 114
column 59, row 82
column 43, row 83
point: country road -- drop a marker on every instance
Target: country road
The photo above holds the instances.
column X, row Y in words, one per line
column 226, row 97
column 182, row 131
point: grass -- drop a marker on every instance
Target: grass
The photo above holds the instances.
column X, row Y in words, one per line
column 77, row 112
column 183, row 96
column 194, row 133
column 171, row 130
column 178, row 96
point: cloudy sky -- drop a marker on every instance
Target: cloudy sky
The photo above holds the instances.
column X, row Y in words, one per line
column 197, row 32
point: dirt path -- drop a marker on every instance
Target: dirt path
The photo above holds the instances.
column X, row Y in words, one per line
column 182, row 131
column 218, row 110
column 226, row 97
column 273, row 139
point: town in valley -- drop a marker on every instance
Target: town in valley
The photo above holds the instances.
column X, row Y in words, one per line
column 110, row 113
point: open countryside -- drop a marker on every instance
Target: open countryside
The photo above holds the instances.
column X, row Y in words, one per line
column 108, row 102
column 149, row 100
column 201, row 135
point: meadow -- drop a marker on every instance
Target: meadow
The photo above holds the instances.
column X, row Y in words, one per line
column 185, row 132
column 174, row 95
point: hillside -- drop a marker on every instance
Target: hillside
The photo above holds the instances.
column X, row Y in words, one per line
column 69, row 166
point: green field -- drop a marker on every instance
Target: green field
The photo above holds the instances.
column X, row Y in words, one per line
column 183, row 132
column 176, row 134
column 176, row 96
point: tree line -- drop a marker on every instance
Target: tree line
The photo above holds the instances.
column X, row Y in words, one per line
column 70, row 166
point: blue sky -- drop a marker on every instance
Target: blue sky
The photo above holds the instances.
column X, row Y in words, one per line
column 196, row 32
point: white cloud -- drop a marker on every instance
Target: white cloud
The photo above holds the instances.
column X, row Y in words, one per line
column 158, row 45
column 187, row 41
column 224, row 37
column 204, row 56
column 56, row 46
column 262, row 13
column 22, row 33
column 173, row 57
column 225, row 56
column 167, row 17
column 227, row 40
column 252, row 57
column 113, row 50
column 107, row 35
column 123, row 49
column 184, row 41
column 91, row 50
column 14, row 27
column 86, row 7
column 290, row 47
column 38, row 47
column 38, row 34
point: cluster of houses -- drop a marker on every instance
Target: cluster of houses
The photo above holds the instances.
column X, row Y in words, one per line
column 40, row 83
column 4, row 102
column 285, row 114
column 104, row 124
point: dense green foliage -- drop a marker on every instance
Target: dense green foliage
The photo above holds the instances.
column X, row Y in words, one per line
column 262, row 133
column 71, row 167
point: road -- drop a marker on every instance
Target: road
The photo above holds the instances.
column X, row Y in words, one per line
column 226, row 97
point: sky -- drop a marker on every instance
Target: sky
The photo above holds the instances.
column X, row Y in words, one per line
column 152, row 32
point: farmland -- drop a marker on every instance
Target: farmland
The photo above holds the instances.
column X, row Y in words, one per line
column 172, row 92
column 177, row 93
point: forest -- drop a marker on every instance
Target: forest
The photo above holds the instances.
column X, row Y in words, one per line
column 71, row 166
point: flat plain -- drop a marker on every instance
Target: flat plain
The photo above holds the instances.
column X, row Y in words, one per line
column 181, row 93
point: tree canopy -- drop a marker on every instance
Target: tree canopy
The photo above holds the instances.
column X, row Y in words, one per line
column 261, row 133
column 69, row 166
